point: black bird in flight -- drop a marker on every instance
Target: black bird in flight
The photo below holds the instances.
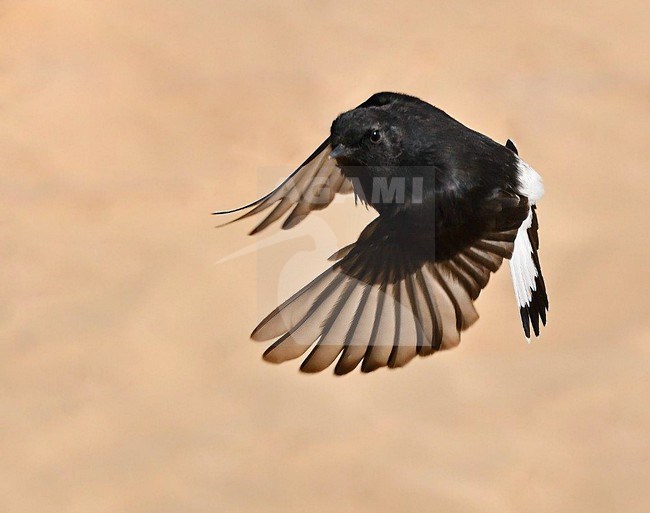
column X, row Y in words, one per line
column 452, row 205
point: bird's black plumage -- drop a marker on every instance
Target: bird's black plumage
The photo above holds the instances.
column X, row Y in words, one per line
column 452, row 205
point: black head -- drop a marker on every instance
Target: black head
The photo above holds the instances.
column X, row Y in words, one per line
column 374, row 133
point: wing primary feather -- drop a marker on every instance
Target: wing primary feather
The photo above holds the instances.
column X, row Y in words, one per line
column 508, row 236
column 477, row 273
column 325, row 193
column 465, row 311
column 483, row 260
column 435, row 309
column 408, row 282
column 464, row 279
column 406, row 348
column 344, row 251
column 497, row 249
column 291, row 346
column 428, row 303
column 398, row 312
column 325, row 352
column 285, row 192
column 447, row 312
column 244, row 207
column 278, row 188
column 454, row 301
column 318, row 301
column 259, row 334
column 293, row 196
column 348, row 361
column 279, row 210
column 302, row 208
column 369, row 364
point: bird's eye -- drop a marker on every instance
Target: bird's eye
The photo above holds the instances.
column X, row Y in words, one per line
column 375, row 136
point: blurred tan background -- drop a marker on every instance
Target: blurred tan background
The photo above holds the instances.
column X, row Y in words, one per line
column 127, row 380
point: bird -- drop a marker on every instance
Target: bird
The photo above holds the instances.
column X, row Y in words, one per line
column 452, row 204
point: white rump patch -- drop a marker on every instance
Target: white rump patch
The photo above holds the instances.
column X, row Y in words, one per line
column 530, row 183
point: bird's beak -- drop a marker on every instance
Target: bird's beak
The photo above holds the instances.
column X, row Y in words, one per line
column 338, row 151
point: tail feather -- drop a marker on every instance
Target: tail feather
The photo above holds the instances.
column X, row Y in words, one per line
column 528, row 280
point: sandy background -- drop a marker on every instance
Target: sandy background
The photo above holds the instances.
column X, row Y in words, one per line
column 127, row 380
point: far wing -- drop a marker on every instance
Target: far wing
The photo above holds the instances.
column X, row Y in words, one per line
column 312, row 186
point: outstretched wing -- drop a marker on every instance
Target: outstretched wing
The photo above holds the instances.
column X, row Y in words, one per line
column 383, row 303
column 310, row 187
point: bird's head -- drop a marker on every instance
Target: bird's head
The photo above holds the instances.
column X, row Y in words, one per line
column 369, row 135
